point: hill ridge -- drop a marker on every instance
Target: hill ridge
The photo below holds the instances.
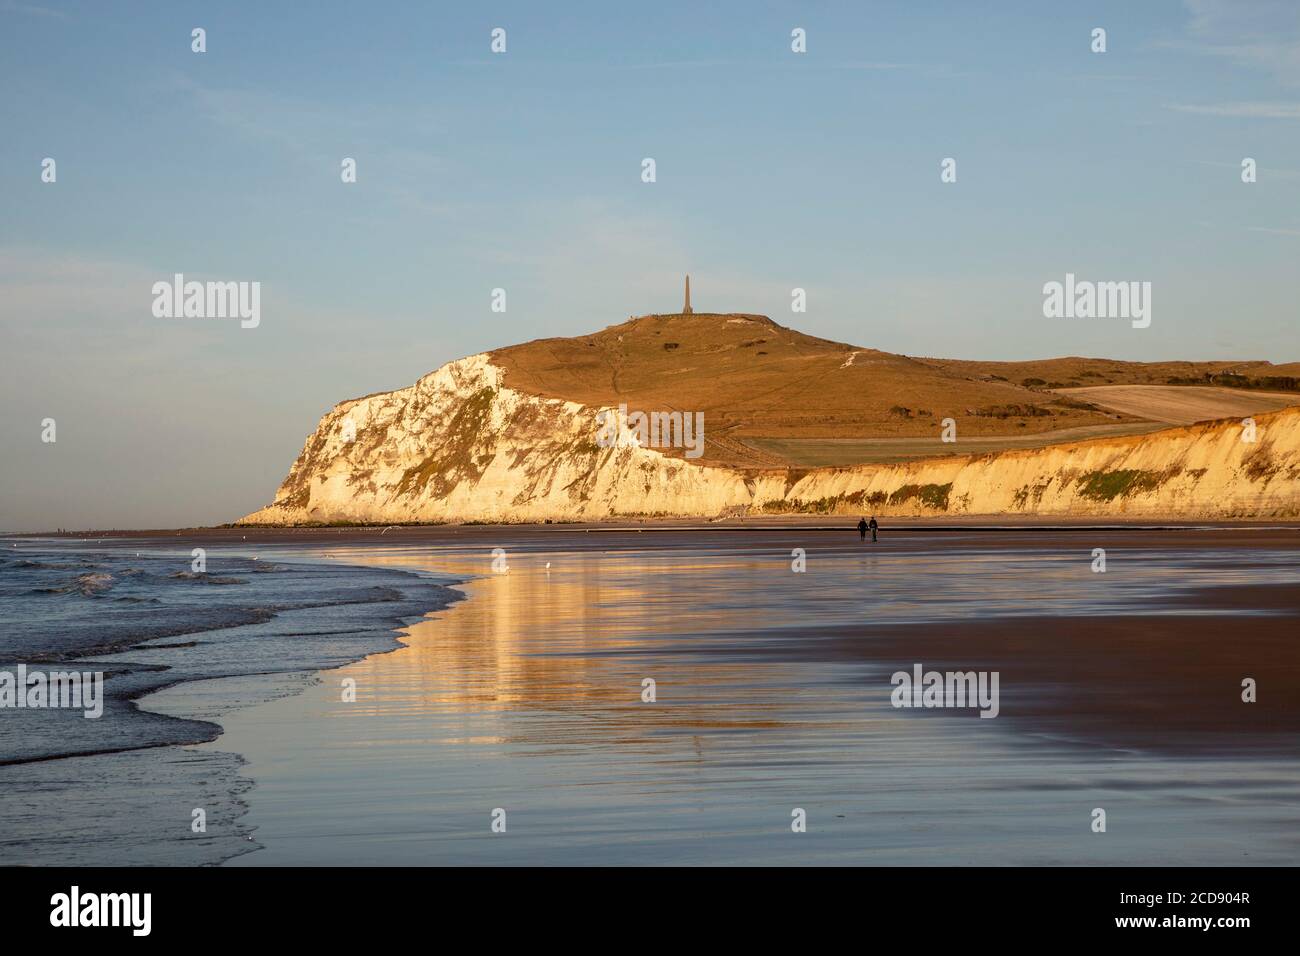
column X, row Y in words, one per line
column 467, row 442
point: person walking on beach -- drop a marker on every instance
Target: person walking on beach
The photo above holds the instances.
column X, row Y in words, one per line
column 862, row 528
column 873, row 526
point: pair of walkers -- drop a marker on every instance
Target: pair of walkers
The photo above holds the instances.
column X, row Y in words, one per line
column 864, row 526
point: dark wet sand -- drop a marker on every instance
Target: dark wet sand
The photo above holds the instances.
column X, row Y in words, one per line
column 1119, row 690
column 1164, row 682
column 1168, row 679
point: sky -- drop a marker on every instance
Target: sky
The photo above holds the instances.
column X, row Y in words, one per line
column 522, row 171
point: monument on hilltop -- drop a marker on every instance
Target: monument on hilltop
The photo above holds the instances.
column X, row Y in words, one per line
column 686, row 310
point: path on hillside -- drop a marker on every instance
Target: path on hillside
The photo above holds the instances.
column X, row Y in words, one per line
column 1182, row 404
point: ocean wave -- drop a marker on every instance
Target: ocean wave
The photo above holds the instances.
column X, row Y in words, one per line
column 288, row 618
column 30, row 564
column 94, row 583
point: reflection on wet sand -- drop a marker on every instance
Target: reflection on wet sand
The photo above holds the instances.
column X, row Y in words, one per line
column 772, row 693
column 572, row 645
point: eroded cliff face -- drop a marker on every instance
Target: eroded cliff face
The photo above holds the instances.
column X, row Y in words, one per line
column 458, row 445
column 1197, row 471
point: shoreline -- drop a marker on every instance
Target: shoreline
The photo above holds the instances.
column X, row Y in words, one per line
column 179, row 748
column 129, row 682
column 261, row 533
column 171, row 676
column 1118, row 679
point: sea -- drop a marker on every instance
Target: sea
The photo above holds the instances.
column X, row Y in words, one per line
column 569, row 696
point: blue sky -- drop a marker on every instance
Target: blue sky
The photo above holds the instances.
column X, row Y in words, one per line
column 522, row 171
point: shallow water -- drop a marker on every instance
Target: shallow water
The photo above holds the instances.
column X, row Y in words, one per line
column 147, row 620
column 527, row 697
column 772, row 690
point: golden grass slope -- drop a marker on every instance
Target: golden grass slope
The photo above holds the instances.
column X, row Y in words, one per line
column 511, row 436
column 753, row 378
column 460, row 445
column 1075, row 371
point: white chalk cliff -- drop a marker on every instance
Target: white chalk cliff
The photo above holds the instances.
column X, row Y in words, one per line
column 459, row 445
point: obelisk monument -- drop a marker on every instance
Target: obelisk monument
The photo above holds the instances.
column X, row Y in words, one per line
column 687, row 309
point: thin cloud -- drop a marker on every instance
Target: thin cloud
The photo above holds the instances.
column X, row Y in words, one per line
column 876, row 66
column 944, row 69
column 1268, row 171
column 682, row 64
column 1254, row 34
column 1274, row 231
column 1242, row 110
column 320, row 134
column 8, row 6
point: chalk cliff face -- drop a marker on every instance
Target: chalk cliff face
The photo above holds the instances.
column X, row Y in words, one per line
column 459, row 445
column 1197, row 471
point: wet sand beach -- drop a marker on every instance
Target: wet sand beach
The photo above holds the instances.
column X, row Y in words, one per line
column 1119, row 690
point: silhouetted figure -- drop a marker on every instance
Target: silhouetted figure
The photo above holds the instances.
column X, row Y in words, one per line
column 873, row 526
column 862, row 528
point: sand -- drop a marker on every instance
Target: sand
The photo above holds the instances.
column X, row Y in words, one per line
column 1119, row 690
